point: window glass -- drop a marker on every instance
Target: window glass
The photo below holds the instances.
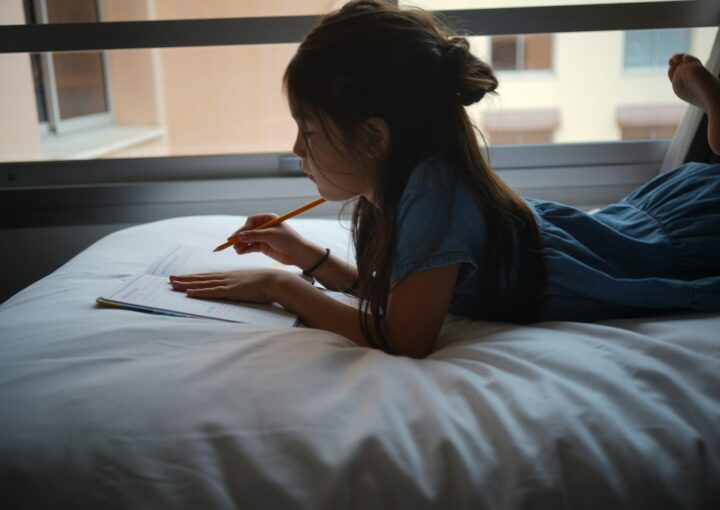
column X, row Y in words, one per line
column 68, row 85
column 38, row 81
column 504, row 52
column 521, row 52
column 164, row 102
column 639, row 48
column 653, row 48
column 228, row 99
column 71, row 11
column 80, row 82
column 190, row 101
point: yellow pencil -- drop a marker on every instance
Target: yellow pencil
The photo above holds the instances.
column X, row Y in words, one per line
column 234, row 240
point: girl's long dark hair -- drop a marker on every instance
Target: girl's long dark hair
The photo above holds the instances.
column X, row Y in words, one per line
column 372, row 59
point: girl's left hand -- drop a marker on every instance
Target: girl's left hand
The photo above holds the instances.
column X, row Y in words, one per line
column 247, row 285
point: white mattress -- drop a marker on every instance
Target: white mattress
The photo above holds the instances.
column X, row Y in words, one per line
column 105, row 408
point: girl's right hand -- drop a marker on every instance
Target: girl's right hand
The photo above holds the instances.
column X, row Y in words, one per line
column 280, row 242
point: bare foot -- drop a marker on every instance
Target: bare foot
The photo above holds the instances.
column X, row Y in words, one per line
column 693, row 83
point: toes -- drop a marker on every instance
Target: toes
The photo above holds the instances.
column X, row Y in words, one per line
column 686, row 59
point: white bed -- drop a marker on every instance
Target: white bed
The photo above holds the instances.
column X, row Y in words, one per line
column 106, row 408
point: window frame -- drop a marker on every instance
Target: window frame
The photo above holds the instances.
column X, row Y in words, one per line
column 591, row 173
column 55, row 125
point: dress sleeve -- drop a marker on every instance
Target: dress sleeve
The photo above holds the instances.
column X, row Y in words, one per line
column 432, row 229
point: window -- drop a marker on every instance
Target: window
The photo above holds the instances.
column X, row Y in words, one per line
column 642, row 122
column 519, row 137
column 653, row 48
column 211, row 85
column 586, row 87
column 512, row 127
column 226, row 99
column 71, row 89
column 648, row 132
column 521, row 52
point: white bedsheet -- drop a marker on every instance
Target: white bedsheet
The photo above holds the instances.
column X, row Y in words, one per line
column 105, row 408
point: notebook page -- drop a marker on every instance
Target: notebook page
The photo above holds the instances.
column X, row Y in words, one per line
column 184, row 259
column 155, row 292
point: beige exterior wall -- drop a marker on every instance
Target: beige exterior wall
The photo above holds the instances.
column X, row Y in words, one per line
column 220, row 99
column 19, row 132
column 227, row 99
column 135, row 82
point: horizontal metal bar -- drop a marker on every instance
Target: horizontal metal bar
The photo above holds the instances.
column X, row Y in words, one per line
column 34, row 174
column 289, row 29
column 148, row 201
column 588, row 18
column 43, row 174
column 554, row 155
column 129, row 190
column 112, row 35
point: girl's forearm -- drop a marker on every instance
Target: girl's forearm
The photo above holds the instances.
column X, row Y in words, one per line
column 316, row 309
column 334, row 273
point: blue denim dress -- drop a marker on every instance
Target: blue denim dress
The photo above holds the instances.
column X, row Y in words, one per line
column 656, row 250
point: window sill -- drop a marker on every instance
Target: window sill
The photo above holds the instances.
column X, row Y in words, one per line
column 98, row 142
column 653, row 70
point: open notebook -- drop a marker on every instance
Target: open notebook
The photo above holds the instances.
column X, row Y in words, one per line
column 151, row 291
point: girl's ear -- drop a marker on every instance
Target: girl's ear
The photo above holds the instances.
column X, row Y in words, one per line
column 377, row 136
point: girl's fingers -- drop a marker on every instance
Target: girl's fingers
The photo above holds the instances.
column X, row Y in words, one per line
column 197, row 284
column 254, row 221
column 211, row 292
column 250, row 236
column 241, row 248
column 241, row 229
column 194, row 277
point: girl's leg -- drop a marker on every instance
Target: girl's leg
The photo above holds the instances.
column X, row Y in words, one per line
column 693, row 83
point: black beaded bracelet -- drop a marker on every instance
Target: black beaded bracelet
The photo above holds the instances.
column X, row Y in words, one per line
column 308, row 272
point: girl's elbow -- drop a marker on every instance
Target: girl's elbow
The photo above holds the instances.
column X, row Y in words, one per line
column 405, row 342
column 418, row 355
column 414, row 348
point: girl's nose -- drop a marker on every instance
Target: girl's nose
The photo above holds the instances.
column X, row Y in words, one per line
column 299, row 147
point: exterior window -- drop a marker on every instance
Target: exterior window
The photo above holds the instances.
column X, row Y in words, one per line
column 521, row 52
column 653, row 48
column 519, row 137
column 71, row 89
column 648, row 132
column 521, row 126
column 642, row 122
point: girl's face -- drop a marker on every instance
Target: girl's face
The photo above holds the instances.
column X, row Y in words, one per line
column 328, row 163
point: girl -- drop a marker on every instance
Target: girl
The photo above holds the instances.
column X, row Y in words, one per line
column 379, row 96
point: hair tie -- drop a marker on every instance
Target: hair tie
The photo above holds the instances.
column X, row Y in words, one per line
column 308, row 272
